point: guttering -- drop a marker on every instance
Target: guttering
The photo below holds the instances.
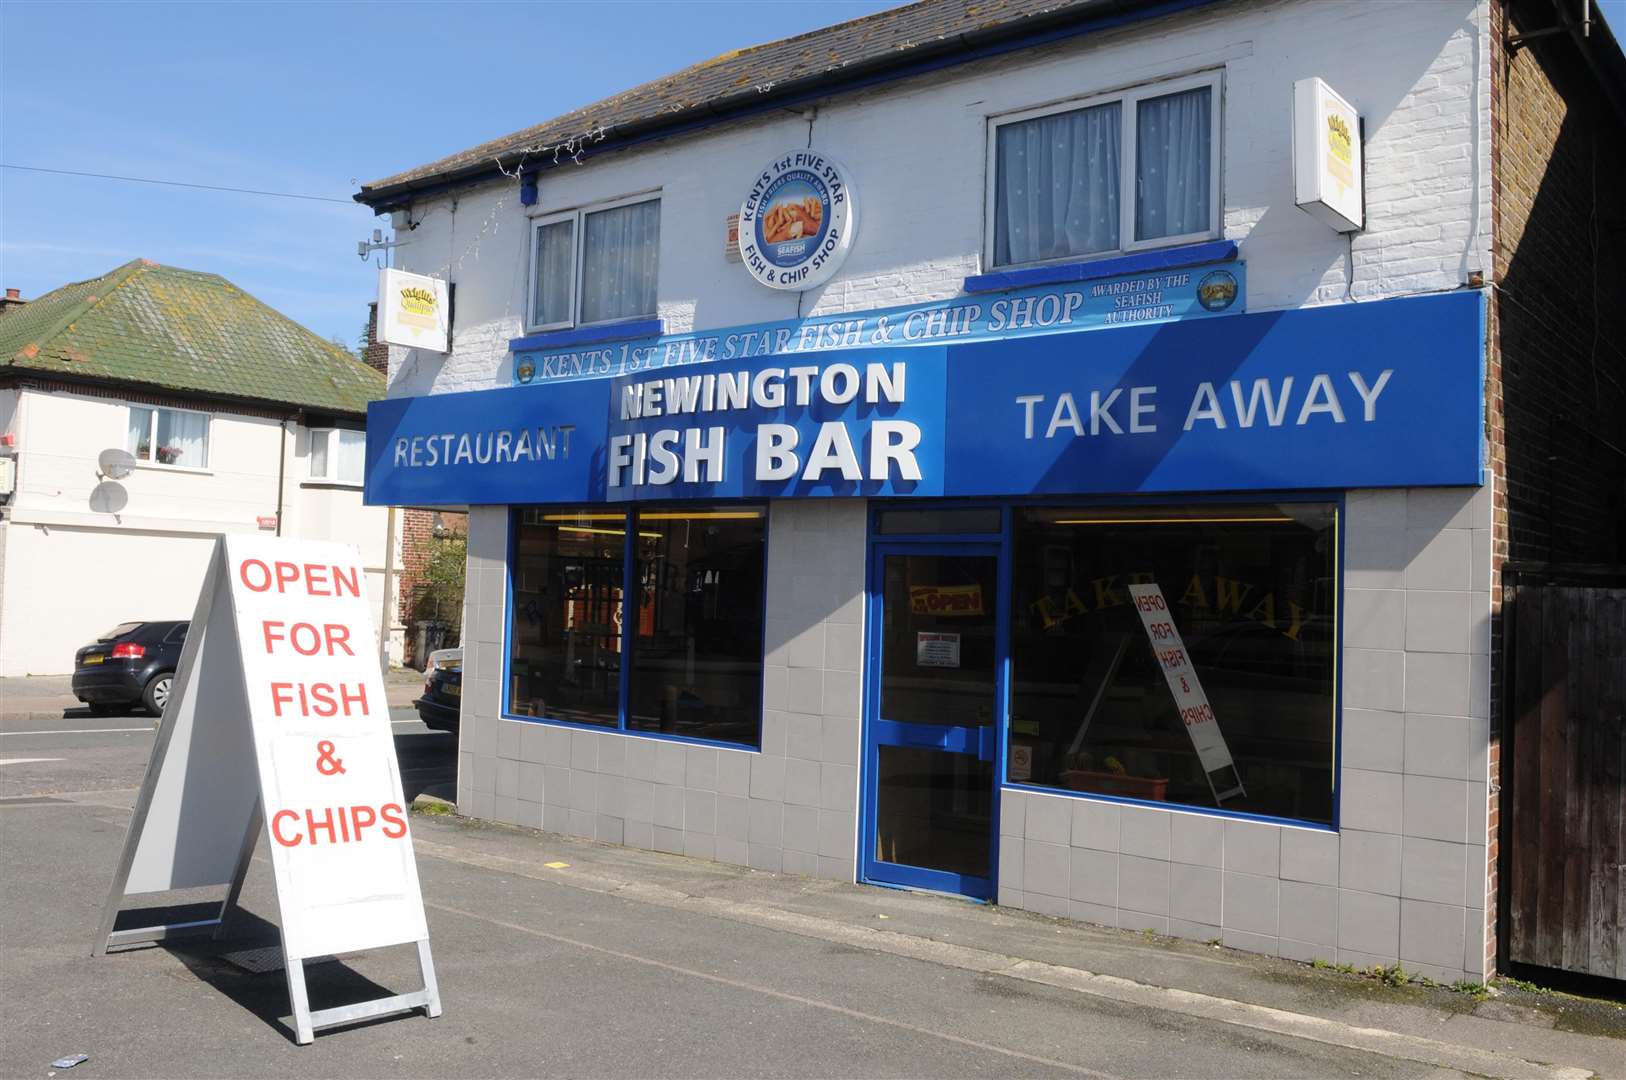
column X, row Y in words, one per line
column 266, row 407
column 944, row 53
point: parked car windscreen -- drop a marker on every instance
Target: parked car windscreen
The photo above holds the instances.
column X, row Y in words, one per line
column 118, row 631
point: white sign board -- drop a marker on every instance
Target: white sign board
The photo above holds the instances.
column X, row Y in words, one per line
column 413, row 310
column 1327, row 156
column 937, row 650
column 278, row 724
column 1196, row 713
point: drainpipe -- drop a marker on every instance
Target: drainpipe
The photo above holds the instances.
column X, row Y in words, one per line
column 384, row 619
column 282, row 470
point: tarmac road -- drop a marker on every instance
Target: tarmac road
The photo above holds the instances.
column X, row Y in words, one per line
column 557, row 957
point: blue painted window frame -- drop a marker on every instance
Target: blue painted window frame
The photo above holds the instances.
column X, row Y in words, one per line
column 1005, row 540
column 629, row 627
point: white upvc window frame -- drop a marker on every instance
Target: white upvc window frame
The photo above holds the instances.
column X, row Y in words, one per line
column 331, row 477
column 1128, row 189
column 578, row 236
column 152, row 437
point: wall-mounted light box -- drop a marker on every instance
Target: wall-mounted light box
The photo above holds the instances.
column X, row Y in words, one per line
column 1327, row 157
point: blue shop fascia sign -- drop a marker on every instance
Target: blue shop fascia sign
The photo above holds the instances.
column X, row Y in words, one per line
column 1379, row 394
column 1126, row 300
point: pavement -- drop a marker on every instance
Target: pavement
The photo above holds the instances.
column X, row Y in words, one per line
column 559, row 957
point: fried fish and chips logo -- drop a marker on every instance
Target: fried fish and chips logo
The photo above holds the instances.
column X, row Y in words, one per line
column 796, row 224
column 418, row 306
column 1217, row 290
column 1340, row 149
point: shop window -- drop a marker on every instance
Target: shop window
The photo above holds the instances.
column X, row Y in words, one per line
column 1113, row 173
column 689, row 666
column 178, row 437
column 337, row 455
column 697, row 651
column 596, row 265
column 1185, row 656
column 564, row 631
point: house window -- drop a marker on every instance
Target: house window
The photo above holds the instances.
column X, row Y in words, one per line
column 337, row 455
column 683, row 659
column 1181, row 655
column 595, row 265
column 1114, row 173
column 178, row 437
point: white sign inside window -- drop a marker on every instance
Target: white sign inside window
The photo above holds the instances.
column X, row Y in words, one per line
column 937, row 649
column 1196, row 713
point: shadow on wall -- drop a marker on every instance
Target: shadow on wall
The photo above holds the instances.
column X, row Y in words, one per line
column 1560, row 307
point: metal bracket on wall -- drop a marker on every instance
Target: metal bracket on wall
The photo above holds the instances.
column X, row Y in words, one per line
column 1565, row 26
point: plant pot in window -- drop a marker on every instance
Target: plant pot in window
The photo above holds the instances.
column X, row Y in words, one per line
column 169, row 455
column 1108, row 783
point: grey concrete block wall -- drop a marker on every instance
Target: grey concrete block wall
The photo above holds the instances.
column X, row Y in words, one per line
column 1404, row 878
column 791, row 807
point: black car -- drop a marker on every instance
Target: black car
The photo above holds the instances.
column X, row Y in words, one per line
column 442, row 701
column 132, row 664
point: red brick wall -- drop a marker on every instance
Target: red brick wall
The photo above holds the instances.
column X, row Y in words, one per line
column 376, row 354
column 1556, row 372
column 417, row 535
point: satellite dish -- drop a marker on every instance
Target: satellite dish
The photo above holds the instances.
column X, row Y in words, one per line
column 116, row 464
column 108, row 497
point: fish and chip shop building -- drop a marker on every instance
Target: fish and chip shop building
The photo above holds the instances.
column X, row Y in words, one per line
column 968, row 469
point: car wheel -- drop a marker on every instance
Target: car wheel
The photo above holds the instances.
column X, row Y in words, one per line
column 156, row 696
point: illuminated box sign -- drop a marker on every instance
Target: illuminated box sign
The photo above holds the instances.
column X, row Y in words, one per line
column 1380, row 394
column 1199, row 292
column 412, row 310
column 1327, row 156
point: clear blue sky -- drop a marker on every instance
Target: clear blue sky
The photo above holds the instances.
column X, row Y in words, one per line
column 297, row 97
column 309, row 98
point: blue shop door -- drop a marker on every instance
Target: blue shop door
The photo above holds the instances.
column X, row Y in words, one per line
column 931, row 706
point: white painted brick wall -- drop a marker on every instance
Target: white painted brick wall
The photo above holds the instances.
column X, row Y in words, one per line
column 1418, row 72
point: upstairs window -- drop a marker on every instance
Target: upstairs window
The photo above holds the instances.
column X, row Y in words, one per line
column 595, row 265
column 337, row 455
column 1115, row 173
column 178, row 437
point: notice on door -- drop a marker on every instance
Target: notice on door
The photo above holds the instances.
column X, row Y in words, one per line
column 1198, row 715
column 937, row 649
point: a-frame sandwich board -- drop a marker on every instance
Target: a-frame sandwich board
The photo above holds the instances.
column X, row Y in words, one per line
column 278, row 727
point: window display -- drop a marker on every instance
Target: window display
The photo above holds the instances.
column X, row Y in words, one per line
column 1177, row 655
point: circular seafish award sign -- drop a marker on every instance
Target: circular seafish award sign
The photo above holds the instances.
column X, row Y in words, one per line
column 797, row 223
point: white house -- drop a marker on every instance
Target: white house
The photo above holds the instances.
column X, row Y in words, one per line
column 239, row 419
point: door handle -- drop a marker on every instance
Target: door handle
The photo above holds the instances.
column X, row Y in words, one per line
column 987, row 743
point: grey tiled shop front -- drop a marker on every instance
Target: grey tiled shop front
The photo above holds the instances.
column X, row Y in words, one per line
column 1403, row 876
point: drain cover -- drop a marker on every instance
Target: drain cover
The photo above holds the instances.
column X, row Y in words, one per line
column 269, row 958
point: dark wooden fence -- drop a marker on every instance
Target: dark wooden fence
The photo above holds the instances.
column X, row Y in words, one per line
column 1565, row 825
